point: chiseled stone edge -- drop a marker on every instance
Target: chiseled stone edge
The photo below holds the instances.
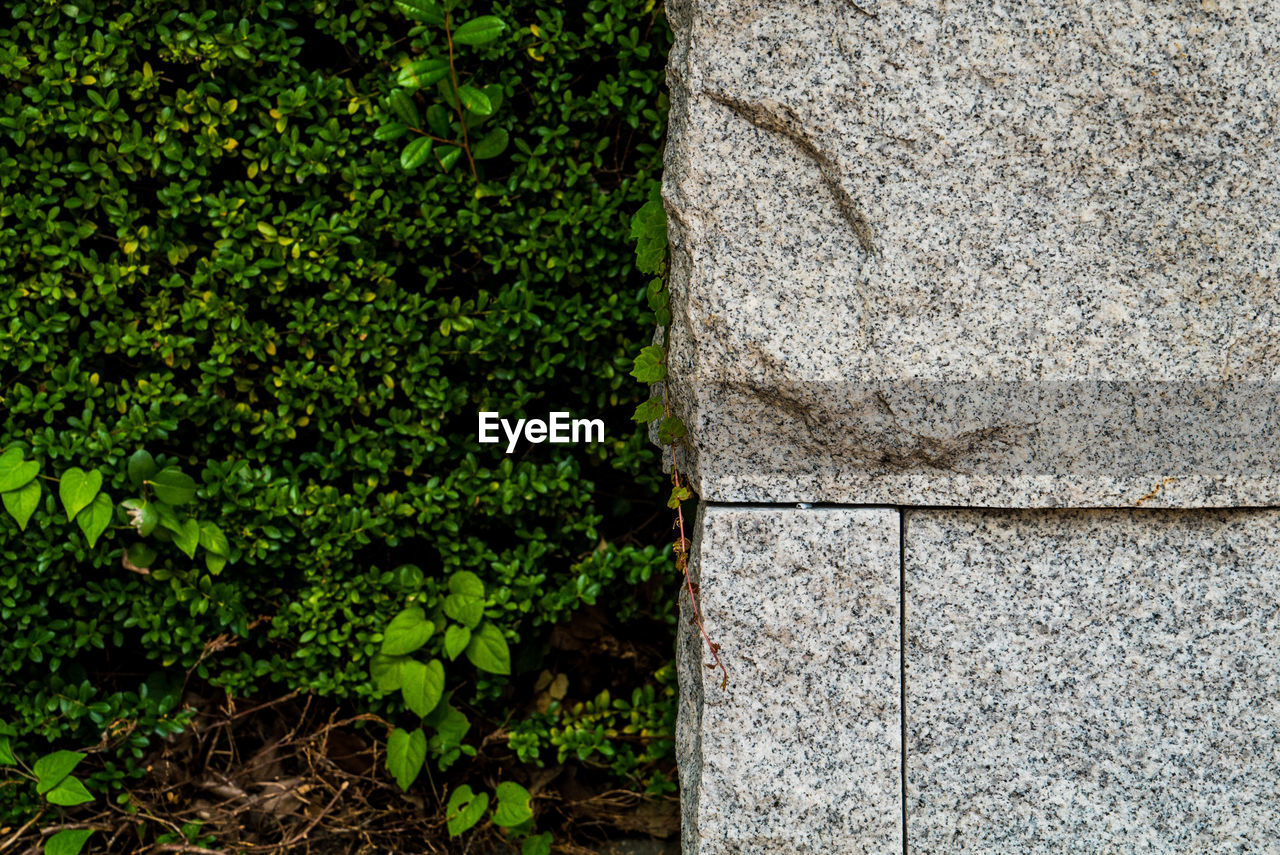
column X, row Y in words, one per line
column 833, row 703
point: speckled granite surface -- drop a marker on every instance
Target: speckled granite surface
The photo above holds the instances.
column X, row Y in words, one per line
column 1093, row 682
column 800, row 755
column 977, row 253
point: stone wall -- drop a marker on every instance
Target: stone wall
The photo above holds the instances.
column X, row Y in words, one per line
column 990, row 291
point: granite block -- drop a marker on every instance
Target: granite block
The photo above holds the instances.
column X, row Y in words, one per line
column 977, row 253
column 800, row 754
column 1093, row 681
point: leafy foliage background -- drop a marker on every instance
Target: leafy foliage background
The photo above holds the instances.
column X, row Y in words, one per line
column 204, row 251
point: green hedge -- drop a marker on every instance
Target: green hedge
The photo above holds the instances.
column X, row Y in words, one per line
column 205, row 252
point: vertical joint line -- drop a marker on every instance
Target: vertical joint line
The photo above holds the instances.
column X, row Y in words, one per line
column 902, row 662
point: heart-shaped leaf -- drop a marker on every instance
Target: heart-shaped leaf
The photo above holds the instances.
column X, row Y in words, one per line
column 421, row 685
column 93, row 520
column 16, row 472
column 77, row 489
column 406, row 752
column 52, row 768
column 69, row 841
column 407, row 631
column 187, row 537
column 172, row 485
column 22, row 503
column 513, row 805
column 385, row 671
column 465, row 809
column 69, row 792
column 213, row 540
column 488, row 650
column 456, row 639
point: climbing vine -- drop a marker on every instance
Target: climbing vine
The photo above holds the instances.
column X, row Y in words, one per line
column 649, row 230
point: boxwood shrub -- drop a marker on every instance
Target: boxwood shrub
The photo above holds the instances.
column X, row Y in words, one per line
column 205, row 252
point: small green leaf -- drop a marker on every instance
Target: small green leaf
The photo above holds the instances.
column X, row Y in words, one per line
column 404, row 108
column 93, row 520
column 466, row 582
column 385, row 671
column 538, row 844
column 15, row 472
column 456, row 639
column 479, row 31
column 513, row 805
column 415, row 153
column 22, row 503
column 651, row 364
column 421, row 10
column 423, row 72
column 421, row 685
column 450, row 726
column 77, row 489
column 438, row 119
column 213, row 540
column 187, row 537
column 172, row 485
column 678, row 495
column 69, row 841
column 406, row 752
column 6, row 753
column 488, row 650
column 215, row 563
column 475, row 100
column 69, row 792
column 670, row 429
column 491, row 144
column 390, row 131
column 141, row 467
column 649, row 229
column 447, row 156
column 465, row 809
column 52, row 768
column 648, row 411
column 407, row 631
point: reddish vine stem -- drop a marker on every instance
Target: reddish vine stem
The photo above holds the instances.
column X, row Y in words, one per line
column 453, row 76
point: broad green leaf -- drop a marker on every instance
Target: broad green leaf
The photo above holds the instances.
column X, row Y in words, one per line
column 415, row 153
column 649, row 411
column 465, row 809
column 651, row 364
column 407, row 631
column 479, row 31
column 385, row 671
column 93, row 520
column 490, row 145
column 466, row 582
column 69, row 841
column 465, row 609
column 475, row 100
column 670, row 429
column 215, row 563
column 15, row 472
column 187, row 537
column 513, row 805
column 425, row 11
column 488, row 650
column 456, row 639
column 6, row 753
column 404, row 108
column 141, row 467
column 406, row 752
column 167, row 516
column 69, row 792
column 421, row 685
column 77, row 489
column 22, row 503
column 538, row 844
column 448, row 93
column 449, row 724
column 213, row 540
column 423, row 72
column 649, row 230
column 173, row 486
column 52, row 768
column 390, row 131
column 447, row 156
column 438, row 119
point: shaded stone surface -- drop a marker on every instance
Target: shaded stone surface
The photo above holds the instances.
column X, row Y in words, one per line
column 977, row 254
column 1093, row 681
column 800, row 754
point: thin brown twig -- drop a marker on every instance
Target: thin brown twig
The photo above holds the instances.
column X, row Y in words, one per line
column 453, row 75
